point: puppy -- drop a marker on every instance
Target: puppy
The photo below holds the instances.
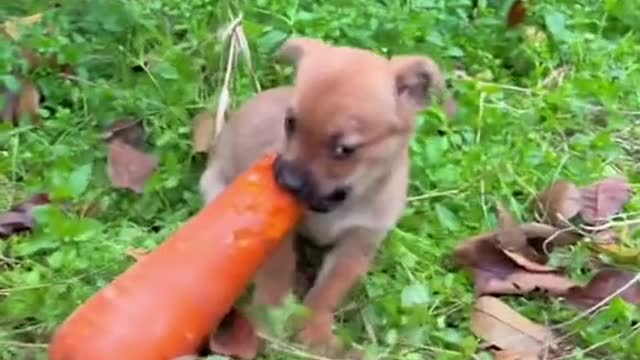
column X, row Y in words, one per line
column 342, row 135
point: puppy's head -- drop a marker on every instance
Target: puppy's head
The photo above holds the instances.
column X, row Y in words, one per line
column 350, row 119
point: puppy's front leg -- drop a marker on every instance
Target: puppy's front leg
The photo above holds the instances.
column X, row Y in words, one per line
column 341, row 269
column 276, row 276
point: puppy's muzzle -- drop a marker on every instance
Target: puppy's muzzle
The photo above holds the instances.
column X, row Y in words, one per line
column 298, row 181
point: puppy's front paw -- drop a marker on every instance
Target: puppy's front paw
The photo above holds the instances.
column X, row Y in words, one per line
column 318, row 336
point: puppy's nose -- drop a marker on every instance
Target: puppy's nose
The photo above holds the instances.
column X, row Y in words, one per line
column 289, row 176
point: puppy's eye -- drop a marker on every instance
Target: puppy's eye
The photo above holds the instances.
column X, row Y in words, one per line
column 289, row 124
column 341, row 151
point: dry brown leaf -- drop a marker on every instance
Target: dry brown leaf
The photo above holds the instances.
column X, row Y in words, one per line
column 8, row 102
column 24, row 102
column 235, row 337
column 498, row 324
column 510, row 235
column 604, row 199
column 561, row 200
column 36, row 200
column 13, row 222
column 538, row 234
column 20, row 218
column 521, row 282
column 517, row 13
column 203, row 131
column 602, row 285
column 496, row 273
column 129, row 167
column 13, row 27
column 526, row 262
column 127, row 130
column 513, row 241
column 28, row 102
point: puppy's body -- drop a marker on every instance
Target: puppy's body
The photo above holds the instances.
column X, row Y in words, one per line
column 342, row 133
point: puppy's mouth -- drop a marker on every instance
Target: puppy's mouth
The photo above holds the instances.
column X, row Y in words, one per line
column 327, row 203
column 298, row 182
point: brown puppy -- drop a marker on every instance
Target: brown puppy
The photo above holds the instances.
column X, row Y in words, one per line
column 342, row 132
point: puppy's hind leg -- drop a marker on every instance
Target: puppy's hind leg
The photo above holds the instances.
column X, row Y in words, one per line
column 211, row 183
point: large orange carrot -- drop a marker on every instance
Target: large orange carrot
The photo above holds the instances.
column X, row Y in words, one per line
column 166, row 304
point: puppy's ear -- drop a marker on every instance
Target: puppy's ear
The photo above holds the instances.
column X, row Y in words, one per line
column 295, row 48
column 416, row 78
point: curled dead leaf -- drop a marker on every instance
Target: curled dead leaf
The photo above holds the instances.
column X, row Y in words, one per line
column 544, row 237
column 604, row 284
column 129, row 167
column 20, row 218
column 498, row 324
column 203, row 131
column 512, row 240
column 36, row 200
column 496, row 273
column 127, row 130
column 559, row 202
column 235, row 337
column 14, row 222
column 604, row 199
column 526, row 263
column 510, row 236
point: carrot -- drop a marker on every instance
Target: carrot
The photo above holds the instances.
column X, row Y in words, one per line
column 166, row 304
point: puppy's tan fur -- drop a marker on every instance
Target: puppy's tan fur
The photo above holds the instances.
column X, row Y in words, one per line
column 364, row 100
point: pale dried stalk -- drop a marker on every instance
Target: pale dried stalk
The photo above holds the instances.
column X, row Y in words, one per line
column 243, row 47
column 238, row 44
column 224, row 97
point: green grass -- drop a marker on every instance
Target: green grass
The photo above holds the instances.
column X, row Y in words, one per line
column 512, row 137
